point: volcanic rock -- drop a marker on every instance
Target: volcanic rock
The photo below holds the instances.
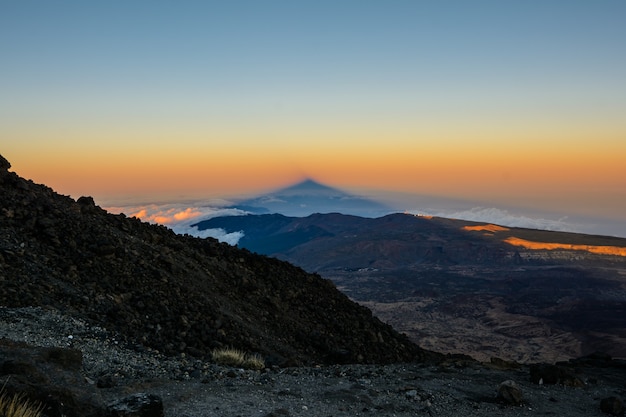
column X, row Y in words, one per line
column 137, row 405
column 612, row 406
column 176, row 294
column 49, row 376
column 543, row 373
column 510, row 393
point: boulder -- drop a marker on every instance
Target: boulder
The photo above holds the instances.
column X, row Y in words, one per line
column 510, row 393
column 612, row 406
column 50, row 376
column 137, row 405
column 542, row 373
column 4, row 164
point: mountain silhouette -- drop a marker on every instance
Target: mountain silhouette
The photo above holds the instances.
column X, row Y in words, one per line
column 308, row 197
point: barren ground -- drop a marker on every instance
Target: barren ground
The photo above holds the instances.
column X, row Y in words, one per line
column 193, row 388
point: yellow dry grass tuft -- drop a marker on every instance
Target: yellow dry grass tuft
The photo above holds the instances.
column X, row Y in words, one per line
column 18, row 406
column 236, row 357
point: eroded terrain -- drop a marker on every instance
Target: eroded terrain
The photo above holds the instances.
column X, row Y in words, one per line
column 463, row 287
column 538, row 314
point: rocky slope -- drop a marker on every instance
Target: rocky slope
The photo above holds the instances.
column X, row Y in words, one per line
column 176, row 294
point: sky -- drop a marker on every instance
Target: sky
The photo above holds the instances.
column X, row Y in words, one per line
column 515, row 105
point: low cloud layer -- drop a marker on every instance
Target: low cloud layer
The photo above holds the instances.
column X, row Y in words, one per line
column 504, row 218
column 180, row 218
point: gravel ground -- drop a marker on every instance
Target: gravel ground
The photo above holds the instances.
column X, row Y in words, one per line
column 193, row 388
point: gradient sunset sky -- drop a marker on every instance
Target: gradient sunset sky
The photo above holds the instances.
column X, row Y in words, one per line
column 516, row 103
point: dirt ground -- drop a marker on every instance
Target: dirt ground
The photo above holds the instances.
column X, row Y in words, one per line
column 193, row 388
column 398, row 390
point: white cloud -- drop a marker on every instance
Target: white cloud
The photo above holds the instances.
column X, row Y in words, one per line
column 504, row 218
column 219, row 234
column 181, row 217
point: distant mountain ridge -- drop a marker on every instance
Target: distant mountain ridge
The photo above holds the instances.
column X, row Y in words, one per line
column 308, row 197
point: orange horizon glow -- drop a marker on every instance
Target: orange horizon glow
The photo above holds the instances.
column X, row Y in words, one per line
column 601, row 250
column 452, row 167
column 584, row 182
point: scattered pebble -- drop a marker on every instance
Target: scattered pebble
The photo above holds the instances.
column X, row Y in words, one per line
column 189, row 387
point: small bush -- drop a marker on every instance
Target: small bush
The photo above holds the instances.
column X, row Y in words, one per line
column 236, row 357
column 18, row 406
column 254, row 361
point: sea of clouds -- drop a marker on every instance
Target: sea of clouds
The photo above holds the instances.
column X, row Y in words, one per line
column 181, row 217
column 503, row 217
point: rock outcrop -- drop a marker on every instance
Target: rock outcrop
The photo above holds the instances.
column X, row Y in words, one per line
column 52, row 378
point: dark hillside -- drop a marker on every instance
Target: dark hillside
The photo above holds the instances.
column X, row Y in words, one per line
column 176, row 293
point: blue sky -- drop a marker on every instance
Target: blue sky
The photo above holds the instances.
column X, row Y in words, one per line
column 512, row 103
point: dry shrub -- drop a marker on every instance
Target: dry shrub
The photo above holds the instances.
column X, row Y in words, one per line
column 18, row 406
column 236, row 357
